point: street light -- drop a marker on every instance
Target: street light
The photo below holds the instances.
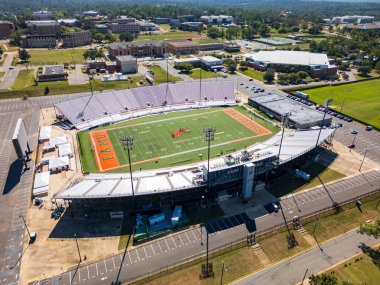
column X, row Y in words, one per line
column 127, row 142
column 284, row 122
column 208, row 136
column 363, row 159
column 22, row 217
column 80, row 257
column 327, row 103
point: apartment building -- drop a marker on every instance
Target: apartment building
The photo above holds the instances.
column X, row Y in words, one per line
column 6, row 28
column 38, row 41
column 80, row 38
column 44, row 27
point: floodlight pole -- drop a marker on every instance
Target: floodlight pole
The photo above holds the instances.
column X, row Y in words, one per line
column 208, row 135
column 22, row 217
column 284, row 122
column 128, row 143
column 363, row 159
column 80, row 257
column 327, row 103
column 200, row 84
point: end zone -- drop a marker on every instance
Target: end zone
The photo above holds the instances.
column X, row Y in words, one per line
column 104, row 153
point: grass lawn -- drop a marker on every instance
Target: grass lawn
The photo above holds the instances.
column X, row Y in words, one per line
column 317, row 173
column 361, row 99
column 255, row 74
column 207, row 41
column 195, row 74
column 7, row 47
column 171, row 35
column 347, row 219
column 160, row 75
column 51, row 57
column 358, row 270
column 3, row 58
column 276, row 247
column 24, row 85
column 155, row 141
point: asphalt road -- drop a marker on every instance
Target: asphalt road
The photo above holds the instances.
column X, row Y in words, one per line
column 292, row 271
column 172, row 249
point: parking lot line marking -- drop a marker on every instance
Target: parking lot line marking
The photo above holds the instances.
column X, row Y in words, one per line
column 114, row 266
column 167, row 244
column 79, row 274
column 194, row 235
column 70, row 276
column 187, row 237
column 212, row 228
column 138, row 257
column 152, row 249
column 225, row 224
column 105, row 265
column 181, row 240
column 145, row 252
column 174, row 242
column 130, row 259
column 160, row 247
column 236, row 220
column 88, row 273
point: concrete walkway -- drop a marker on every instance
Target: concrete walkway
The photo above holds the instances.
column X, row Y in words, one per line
column 292, row 271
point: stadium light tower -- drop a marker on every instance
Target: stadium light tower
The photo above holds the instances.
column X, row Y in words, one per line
column 127, row 142
column 284, row 122
column 327, row 104
column 208, row 136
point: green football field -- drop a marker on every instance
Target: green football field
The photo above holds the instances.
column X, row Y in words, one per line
column 360, row 100
column 155, row 147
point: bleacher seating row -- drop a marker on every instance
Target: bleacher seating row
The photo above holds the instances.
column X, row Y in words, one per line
column 118, row 105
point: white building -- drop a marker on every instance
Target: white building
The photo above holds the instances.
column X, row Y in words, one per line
column 126, row 64
column 351, row 20
column 211, row 62
column 43, row 15
column 216, row 20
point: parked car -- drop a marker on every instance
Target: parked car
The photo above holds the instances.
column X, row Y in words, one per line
column 250, row 79
column 351, row 145
column 368, row 128
column 354, row 132
column 275, row 207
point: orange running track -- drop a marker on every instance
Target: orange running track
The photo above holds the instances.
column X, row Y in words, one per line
column 105, row 155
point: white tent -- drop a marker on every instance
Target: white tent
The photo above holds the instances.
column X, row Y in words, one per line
column 59, row 164
column 41, row 183
column 45, row 134
column 65, row 150
column 56, row 141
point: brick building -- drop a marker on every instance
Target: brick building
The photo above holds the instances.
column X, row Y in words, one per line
column 6, row 28
column 44, row 28
column 38, row 41
column 181, row 47
column 137, row 49
column 118, row 28
column 80, row 38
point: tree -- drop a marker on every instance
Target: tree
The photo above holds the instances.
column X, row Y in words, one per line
column 331, row 28
column 377, row 67
column 23, row 54
column 345, row 76
column 231, row 66
column 264, row 30
column 110, row 38
column 185, row 67
column 371, row 229
column 232, row 32
column 268, row 76
column 15, row 38
column 99, row 37
column 293, row 78
column 364, row 70
column 323, row 279
column 1, row 51
column 302, row 75
column 282, row 78
column 93, row 54
column 47, row 90
column 212, row 33
column 126, row 37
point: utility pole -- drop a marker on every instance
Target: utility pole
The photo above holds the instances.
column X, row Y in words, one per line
column 127, row 142
column 284, row 123
column 22, row 217
column 363, row 159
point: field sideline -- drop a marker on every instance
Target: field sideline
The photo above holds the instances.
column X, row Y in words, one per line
column 155, row 147
column 360, row 100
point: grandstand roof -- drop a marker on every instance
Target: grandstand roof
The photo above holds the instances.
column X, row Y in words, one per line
column 295, row 144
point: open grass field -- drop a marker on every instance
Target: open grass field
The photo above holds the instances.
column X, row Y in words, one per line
column 360, row 269
column 361, row 100
column 255, row 74
column 317, row 173
column 46, row 57
column 25, row 85
column 155, row 146
column 196, row 74
column 160, row 75
column 172, row 35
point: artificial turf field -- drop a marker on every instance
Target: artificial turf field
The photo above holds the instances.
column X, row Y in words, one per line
column 155, row 147
column 361, row 100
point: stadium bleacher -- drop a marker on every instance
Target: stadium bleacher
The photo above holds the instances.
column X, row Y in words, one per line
column 90, row 111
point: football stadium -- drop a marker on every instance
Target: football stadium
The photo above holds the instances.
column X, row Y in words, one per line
column 171, row 159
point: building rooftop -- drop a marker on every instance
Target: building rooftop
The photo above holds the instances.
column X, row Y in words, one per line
column 125, row 57
column 290, row 57
column 184, row 43
column 135, row 44
column 53, row 69
column 68, row 21
column 301, row 113
column 364, row 26
column 42, row 23
column 209, row 58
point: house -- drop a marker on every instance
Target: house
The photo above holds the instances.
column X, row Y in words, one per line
column 52, row 73
column 126, row 64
